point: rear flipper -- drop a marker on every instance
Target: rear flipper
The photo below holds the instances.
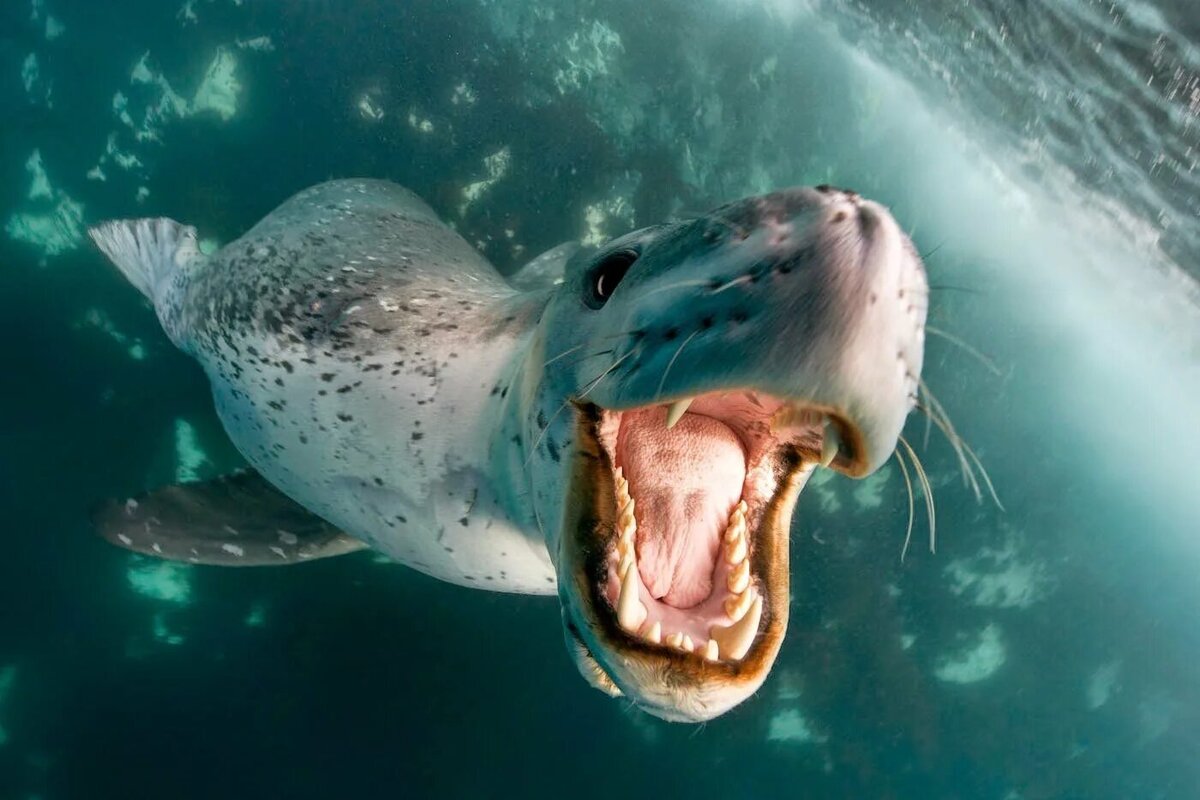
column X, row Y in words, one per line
column 236, row 520
column 147, row 251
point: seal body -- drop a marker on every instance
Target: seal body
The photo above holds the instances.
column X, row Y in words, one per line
column 362, row 356
column 628, row 426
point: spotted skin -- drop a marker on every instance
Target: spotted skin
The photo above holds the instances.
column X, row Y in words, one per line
column 359, row 353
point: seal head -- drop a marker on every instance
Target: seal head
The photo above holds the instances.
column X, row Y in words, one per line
column 701, row 371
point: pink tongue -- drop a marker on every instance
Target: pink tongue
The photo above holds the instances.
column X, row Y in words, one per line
column 685, row 482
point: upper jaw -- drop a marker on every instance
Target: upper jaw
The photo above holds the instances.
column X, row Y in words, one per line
column 655, row 668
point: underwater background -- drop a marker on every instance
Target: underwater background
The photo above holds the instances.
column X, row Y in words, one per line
column 1043, row 155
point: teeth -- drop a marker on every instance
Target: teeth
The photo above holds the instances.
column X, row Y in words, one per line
column 743, row 607
column 737, row 522
column 735, row 551
column 626, row 522
column 829, row 445
column 677, row 410
column 738, row 578
column 736, row 605
column 734, row 641
column 630, row 611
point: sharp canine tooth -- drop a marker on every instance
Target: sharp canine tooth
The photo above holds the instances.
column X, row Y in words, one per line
column 712, row 650
column 674, row 639
column 829, row 445
column 738, row 578
column 655, row 633
column 630, row 611
column 734, row 641
column 677, row 410
column 736, row 605
column 688, row 644
column 735, row 551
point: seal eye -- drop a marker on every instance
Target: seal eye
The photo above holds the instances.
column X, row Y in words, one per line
column 606, row 274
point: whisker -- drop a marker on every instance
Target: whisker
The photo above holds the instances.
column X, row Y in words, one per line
column 607, row 372
column 948, row 288
column 730, row 284
column 911, row 504
column 927, row 490
column 679, row 285
column 987, row 362
column 942, row 420
column 593, row 355
column 928, row 427
column 671, row 363
column 566, row 352
column 591, row 386
column 961, row 447
column 939, row 246
column 986, row 478
column 956, row 442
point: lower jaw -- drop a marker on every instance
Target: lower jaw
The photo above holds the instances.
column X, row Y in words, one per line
column 630, row 661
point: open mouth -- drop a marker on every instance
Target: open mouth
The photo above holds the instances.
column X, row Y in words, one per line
column 684, row 555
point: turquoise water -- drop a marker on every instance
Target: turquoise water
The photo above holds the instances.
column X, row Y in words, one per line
column 1042, row 154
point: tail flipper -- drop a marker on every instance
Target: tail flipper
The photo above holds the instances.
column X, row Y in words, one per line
column 147, row 251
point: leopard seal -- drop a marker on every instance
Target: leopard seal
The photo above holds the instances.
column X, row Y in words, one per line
column 627, row 426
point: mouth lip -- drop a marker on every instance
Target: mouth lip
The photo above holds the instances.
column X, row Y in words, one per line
column 589, row 522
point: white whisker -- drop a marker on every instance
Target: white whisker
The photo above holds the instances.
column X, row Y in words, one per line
column 566, row 352
column 927, row 490
column 678, row 285
column 911, row 504
column 591, row 386
column 735, row 282
column 671, row 363
column 987, row 362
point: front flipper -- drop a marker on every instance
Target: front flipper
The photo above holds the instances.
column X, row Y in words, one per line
column 236, row 520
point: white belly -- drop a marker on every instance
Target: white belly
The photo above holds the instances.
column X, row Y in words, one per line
column 396, row 462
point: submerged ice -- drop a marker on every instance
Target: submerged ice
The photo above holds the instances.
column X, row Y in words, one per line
column 53, row 221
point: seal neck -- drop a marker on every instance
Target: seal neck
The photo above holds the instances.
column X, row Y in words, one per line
column 509, row 448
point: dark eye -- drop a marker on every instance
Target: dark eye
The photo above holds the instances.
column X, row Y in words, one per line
column 604, row 277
